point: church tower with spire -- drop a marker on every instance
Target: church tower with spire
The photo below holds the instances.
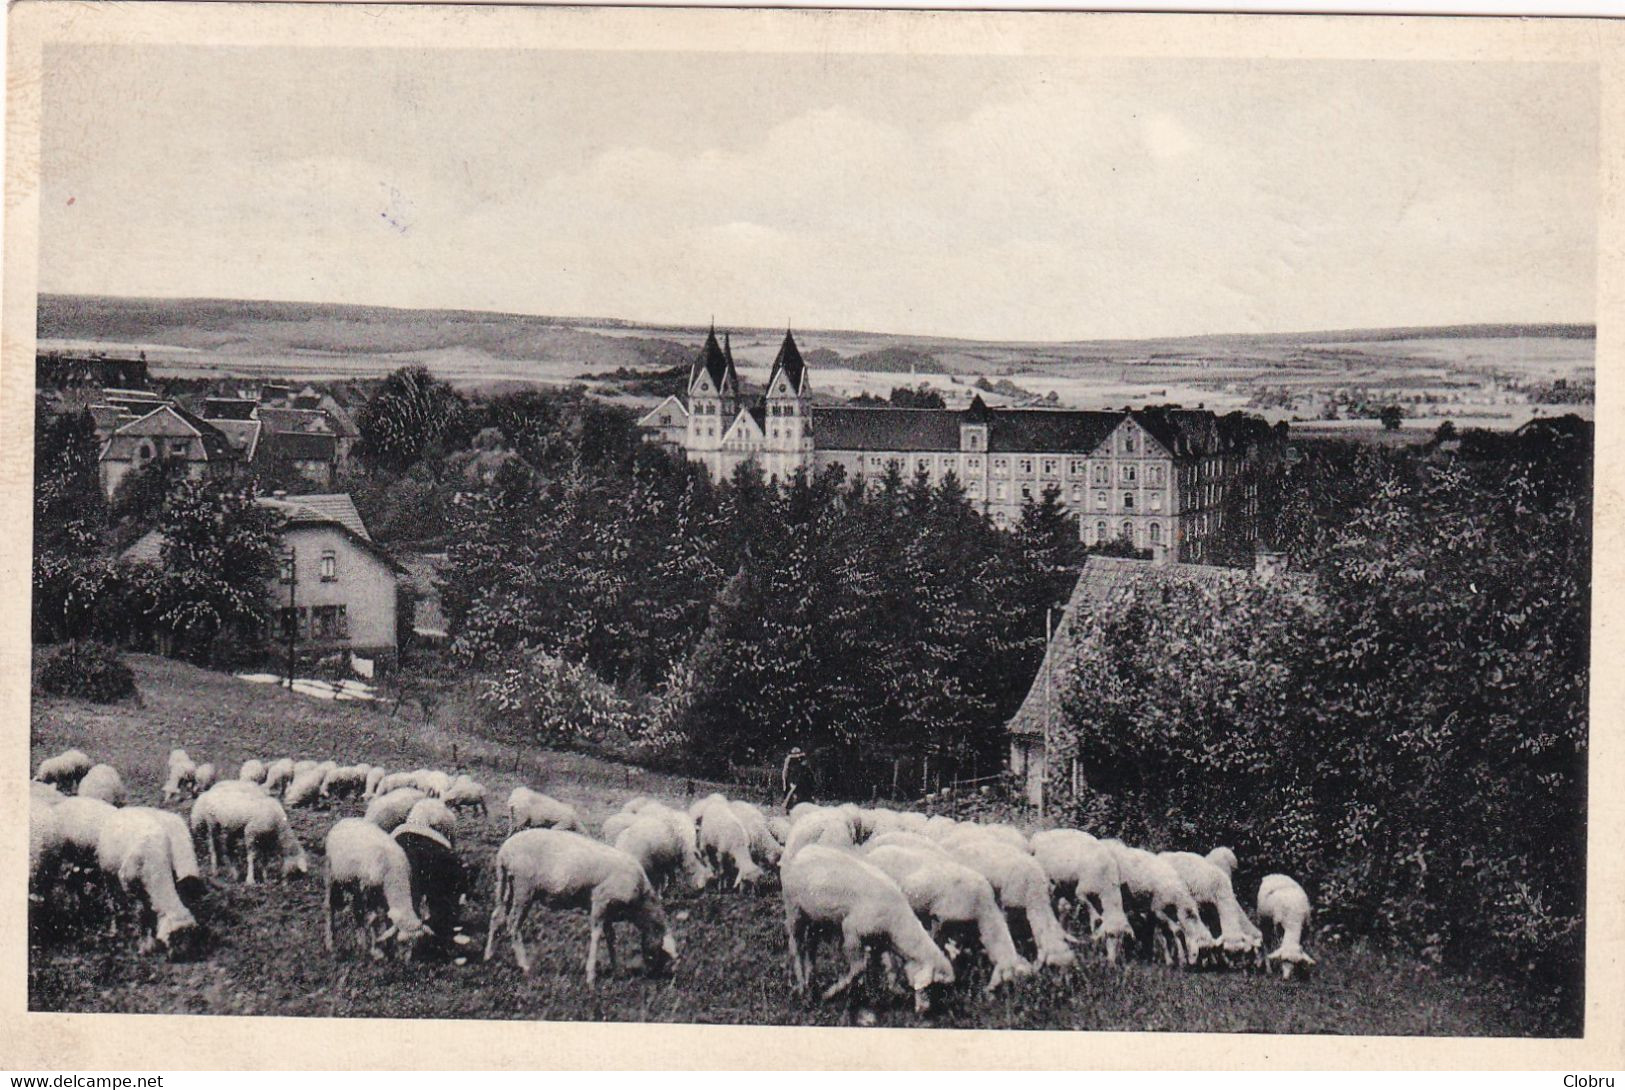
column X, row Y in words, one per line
column 789, row 437
column 713, row 402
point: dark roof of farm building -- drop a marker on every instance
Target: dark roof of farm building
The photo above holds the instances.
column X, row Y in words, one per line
column 228, row 408
column 323, row 507
column 293, row 420
column 243, row 435
column 300, row 445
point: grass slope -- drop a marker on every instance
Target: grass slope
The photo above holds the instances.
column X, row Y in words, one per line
column 264, row 951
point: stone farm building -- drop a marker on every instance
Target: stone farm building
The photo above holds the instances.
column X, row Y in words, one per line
column 343, row 584
column 1102, row 580
column 1165, row 479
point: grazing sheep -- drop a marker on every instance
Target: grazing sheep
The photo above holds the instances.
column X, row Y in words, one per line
column 1283, row 909
column 306, row 765
column 203, row 779
column 901, row 839
column 779, row 826
column 279, row 775
column 135, row 847
column 1159, row 900
column 432, row 782
column 803, row 809
column 529, row 809
column 725, row 844
column 956, row 898
column 305, row 788
column 388, row 811
column 182, row 775
column 765, row 848
column 939, row 826
column 1225, row 860
column 239, row 810
column 828, row 828
column 616, row 824
column 393, row 782
column 365, row 865
column 660, row 851
column 343, row 781
column 253, row 770
column 1210, row 886
column 43, row 794
column 438, row 879
column 182, row 852
column 1022, row 887
column 1009, row 834
column 375, row 776
column 1083, row 872
column 569, row 870
column 64, row 770
column 434, row 814
column 42, row 842
column 826, row 887
column 467, row 794
column 103, row 782
column 910, row 821
column 79, row 823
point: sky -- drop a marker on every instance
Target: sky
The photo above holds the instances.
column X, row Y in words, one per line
column 1015, row 198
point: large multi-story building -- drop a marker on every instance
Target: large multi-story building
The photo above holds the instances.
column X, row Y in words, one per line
column 1163, row 478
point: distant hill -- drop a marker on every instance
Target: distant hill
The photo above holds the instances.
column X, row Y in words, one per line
column 896, row 358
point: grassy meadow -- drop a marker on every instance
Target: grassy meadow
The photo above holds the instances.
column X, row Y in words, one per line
column 263, row 951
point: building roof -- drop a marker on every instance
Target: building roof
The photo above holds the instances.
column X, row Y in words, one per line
column 1102, row 580
column 228, row 408
column 862, row 427
column 1048, row 430
column 672, row 404
column 321, row 507
column 283, row 421
column 167, row 421
column 301, row 446
column 243, row 435
column 789, row 361
column 715, row 364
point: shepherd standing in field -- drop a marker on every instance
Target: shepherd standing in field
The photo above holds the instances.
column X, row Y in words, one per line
column 791, row 776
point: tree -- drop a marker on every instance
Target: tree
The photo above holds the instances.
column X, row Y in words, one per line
column 1392, row 416
column 220, row 550
column 412, row 416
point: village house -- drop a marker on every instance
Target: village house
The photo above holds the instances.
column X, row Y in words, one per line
column 170, row 432
column 1163, row 479
column 335, row 589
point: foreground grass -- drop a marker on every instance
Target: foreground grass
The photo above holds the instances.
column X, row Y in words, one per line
column 263, row 953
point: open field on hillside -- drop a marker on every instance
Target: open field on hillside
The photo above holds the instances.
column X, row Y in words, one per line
column 264, row 954
column 300, row 342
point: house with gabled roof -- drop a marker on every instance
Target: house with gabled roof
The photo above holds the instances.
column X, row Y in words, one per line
column 335, row 589
column 169, row 432
column 1164, row 479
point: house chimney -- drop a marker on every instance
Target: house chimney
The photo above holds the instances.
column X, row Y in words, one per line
column 1268, row 563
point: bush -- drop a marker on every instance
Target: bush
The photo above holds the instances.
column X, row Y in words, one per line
column 90, row 671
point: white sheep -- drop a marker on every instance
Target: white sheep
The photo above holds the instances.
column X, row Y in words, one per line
column 725, row 844
column 1084, row 872
column 434, row 814
column 366, row 866
column 466, row 793
column 765, row 848
column 567, row 869
column 779, row 826
column 375, row 776
column 252, row 770
column 305, row 765
column 1210, row 886
column 616, row 824
column 393, row 782
column 64, row 770
column 79, row 824
column 278, row 775
column 203, row 779
column 825, row 886
column 1225, row 860
column 344, row 781
column 1283, row 909
column 1159, row 898
column 899, row 838
column 103, row 782
column 659, row 848
column 388, row 811
column 529, row 809
column 432, row 782
column 135, row 847
column 182, row 852
column 828, row 828
column 305, row 789
column 42, row 843
column 234, row 810
column 182, row 775
column 1022, row 887
column 956, row 898
column 43, row 794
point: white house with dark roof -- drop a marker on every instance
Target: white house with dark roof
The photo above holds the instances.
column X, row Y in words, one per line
column 169, row 432
column 335, row 588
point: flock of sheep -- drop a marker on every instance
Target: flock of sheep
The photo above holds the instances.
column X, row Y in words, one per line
column 901, row 892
